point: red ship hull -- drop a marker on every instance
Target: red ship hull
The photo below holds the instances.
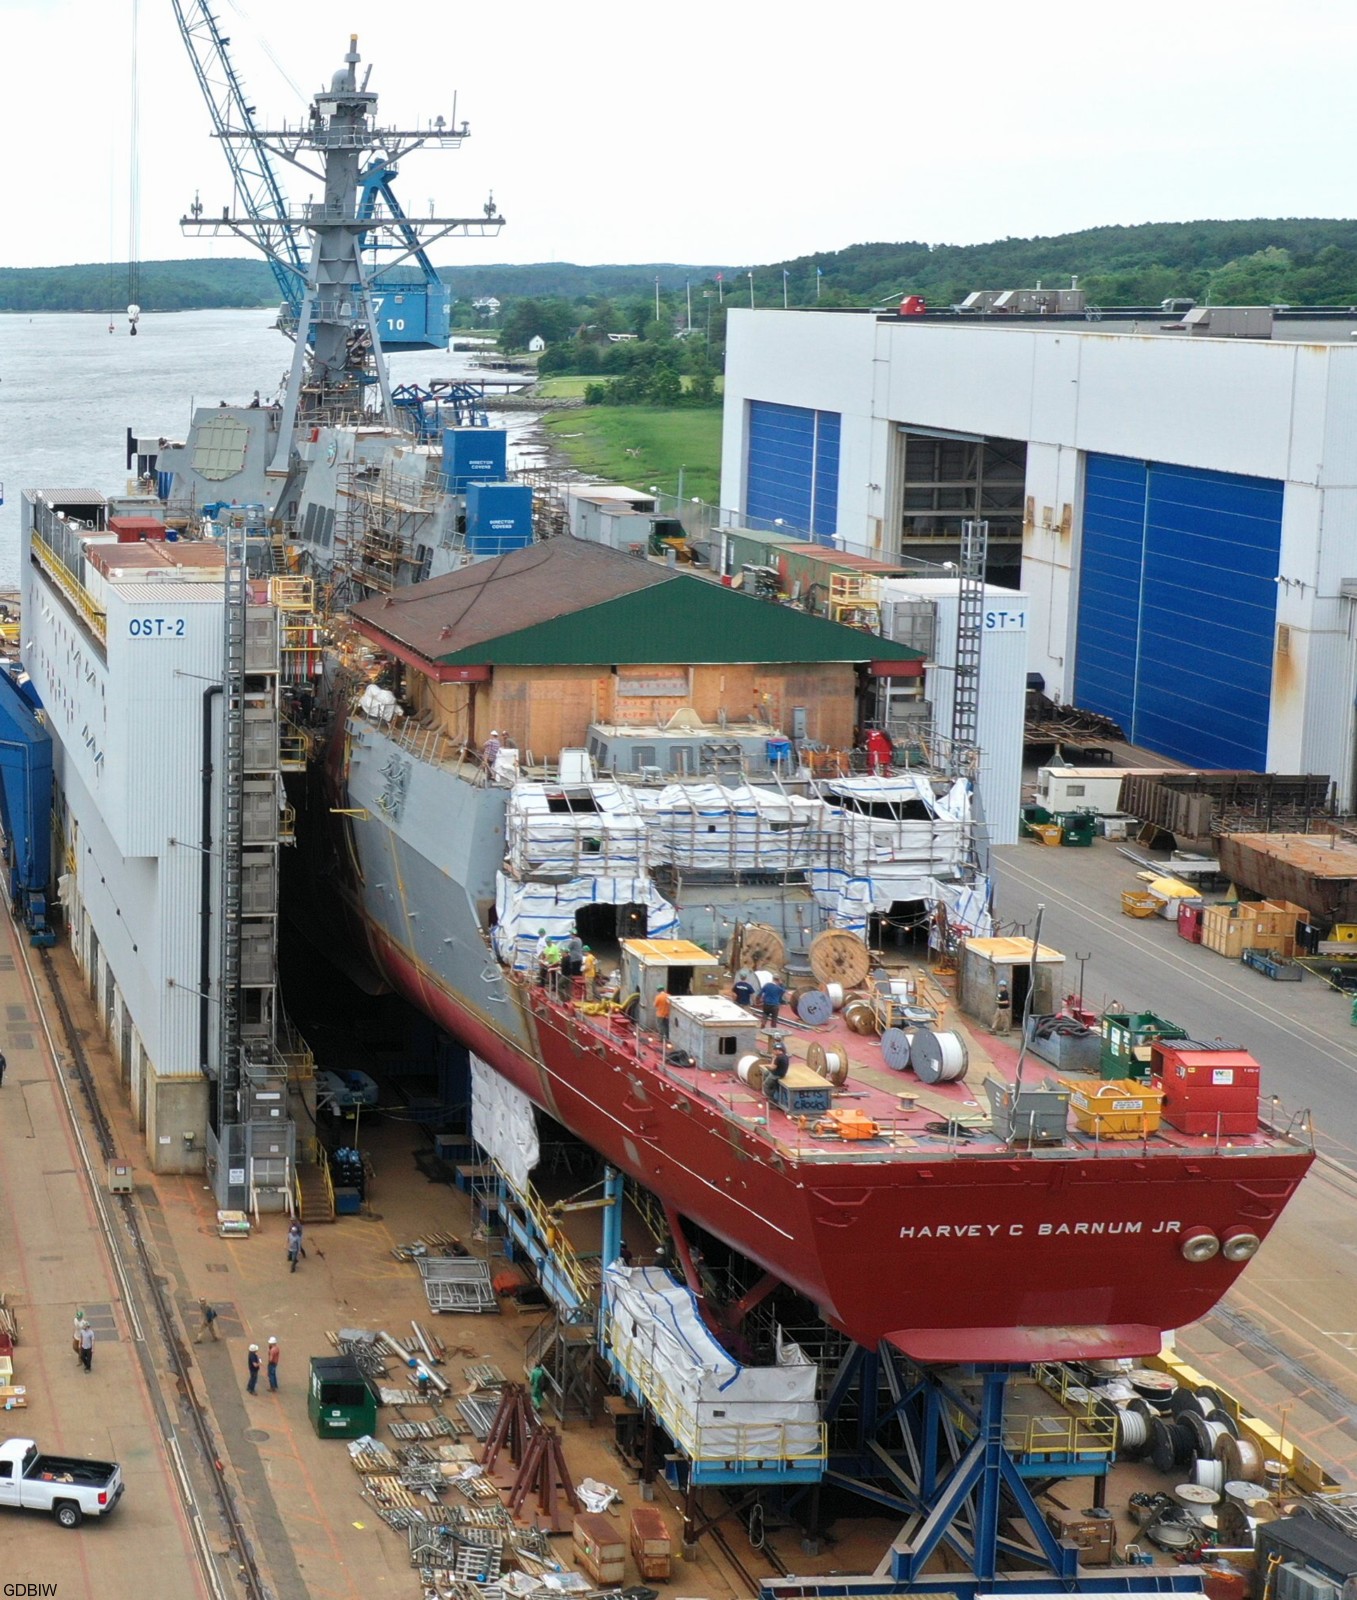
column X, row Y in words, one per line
column 951, row 1257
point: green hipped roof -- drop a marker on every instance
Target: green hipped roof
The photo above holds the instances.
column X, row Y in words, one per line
column 681, row 619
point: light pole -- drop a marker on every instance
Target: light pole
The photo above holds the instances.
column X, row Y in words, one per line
column 750, row 276
column 688, row 291
column 706, row 295
column 818, row 276
column 784, row 288
column 657, row 297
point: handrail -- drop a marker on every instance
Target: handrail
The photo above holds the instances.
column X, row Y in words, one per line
column 56, row 569
column 549, row 1230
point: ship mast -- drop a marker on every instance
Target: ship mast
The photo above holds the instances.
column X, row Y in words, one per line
column 338, row 355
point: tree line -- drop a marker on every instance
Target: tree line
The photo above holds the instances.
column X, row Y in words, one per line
column 1292, row 261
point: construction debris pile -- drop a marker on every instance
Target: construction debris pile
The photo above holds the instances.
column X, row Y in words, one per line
column 477, row 1528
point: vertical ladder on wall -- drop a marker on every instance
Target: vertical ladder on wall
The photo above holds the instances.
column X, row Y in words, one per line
column 969, row 637
column 231, row 844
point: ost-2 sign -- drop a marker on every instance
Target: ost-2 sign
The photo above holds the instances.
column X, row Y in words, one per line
column 156, row 627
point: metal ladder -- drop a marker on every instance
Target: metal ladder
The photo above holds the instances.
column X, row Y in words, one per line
column 969, row 637
column 236, row 598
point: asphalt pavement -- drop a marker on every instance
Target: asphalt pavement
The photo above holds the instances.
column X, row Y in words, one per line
column 1299, row 1032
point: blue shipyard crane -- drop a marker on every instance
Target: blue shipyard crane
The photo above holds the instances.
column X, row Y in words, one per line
column 232, row 116
column 338, row 338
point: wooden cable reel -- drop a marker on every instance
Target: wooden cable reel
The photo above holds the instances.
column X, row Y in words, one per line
column 831, row 1063
column 837, row 956
column 757, row 945
column 860, row 1015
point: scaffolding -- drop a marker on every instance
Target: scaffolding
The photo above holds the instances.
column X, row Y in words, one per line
column 384, row 525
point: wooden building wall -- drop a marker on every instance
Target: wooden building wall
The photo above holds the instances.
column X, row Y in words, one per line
column 547, row 709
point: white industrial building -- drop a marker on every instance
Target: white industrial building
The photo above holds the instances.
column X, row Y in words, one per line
column 923, row 612
column 123, row 633
column 1182, row 493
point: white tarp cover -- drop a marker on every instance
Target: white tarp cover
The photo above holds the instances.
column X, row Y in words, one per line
column 503, row 1123
column 705, row 826
column 611, row 839
column 711, row 1405
column 849, row 899
column 522, row 909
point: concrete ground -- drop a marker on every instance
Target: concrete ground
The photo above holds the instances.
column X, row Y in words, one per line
column 1300, row 1032
column 1280, row 1342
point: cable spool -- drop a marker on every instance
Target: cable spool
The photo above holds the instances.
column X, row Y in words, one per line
column 939, row 1057
column 836, row 995
column 1216, row 1431
column 1197, row 1493
column 1203, row 1443
column 752, row 1070
column 1210, row 1475
column 895, row 1048
column 903, row 990
column 813, row 1006
column 763, row 975
column 1183, row 1401
column 831, row 1064
column 1224, row 1421
column 860, row 1016
column 757, row 945
column 1133, row 1432
column 837, row 956
column 1247, row 1496
column 1242, row 1460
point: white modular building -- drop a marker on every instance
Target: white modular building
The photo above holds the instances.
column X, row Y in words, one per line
column 1176, row 497
column 122, row 636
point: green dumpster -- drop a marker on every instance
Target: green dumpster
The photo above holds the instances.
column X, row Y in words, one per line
column 339, row 1402
column 1127, row 1037
column 1078, row 828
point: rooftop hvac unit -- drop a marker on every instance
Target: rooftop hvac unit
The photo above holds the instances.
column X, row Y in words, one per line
column 1295, row 1582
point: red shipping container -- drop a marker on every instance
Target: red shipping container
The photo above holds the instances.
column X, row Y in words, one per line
column 1190, row 914
column 1208, row 1089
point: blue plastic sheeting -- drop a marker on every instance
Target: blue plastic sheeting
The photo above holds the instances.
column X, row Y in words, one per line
column 1178, row 606
column 25, row 795
column 793, row 471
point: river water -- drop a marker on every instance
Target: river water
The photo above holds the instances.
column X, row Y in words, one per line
column 69, row 391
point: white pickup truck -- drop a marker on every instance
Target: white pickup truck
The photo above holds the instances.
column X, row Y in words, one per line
column 71, row 1489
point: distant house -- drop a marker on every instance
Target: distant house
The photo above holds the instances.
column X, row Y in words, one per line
column 622, row 338
column 487, row 305
column 536, row 343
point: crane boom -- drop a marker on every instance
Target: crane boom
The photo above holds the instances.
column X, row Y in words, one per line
column 232, row 115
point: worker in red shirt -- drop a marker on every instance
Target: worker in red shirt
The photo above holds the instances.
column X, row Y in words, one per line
column 880, row 750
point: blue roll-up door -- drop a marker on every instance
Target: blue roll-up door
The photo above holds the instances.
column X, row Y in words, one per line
column 792, row 476
column 1178, row 607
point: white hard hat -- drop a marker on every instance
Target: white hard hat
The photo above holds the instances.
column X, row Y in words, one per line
column 254, row 1347
column 272, row 1340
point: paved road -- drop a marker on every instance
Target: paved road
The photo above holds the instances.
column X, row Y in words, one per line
column 1299, row 1031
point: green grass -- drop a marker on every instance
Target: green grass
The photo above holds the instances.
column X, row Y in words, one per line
column 601, row 439
column 566, row 387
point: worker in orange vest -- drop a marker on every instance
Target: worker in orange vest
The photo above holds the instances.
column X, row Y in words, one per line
column 662, row 1004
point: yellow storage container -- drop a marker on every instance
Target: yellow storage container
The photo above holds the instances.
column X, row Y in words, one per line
column 1120, row 1108
column 1048, row 832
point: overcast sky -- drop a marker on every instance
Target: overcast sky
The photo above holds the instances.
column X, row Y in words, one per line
column 612, row 130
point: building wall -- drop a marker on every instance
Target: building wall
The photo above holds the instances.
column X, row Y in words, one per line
column 547, row 709
column 1262, row 408
column 128, row 762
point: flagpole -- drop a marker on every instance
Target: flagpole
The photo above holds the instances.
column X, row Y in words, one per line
column 720, row 288
column 750, row 276
column 784, row 288
column 818, row 276
column 657, row 298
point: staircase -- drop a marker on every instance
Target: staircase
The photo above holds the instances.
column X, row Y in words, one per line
column 315, row 1193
